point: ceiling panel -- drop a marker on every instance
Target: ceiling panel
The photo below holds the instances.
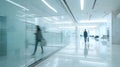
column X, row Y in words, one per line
column 39, row 8
column 78, row 13
column 102, row 8
column 107, row 5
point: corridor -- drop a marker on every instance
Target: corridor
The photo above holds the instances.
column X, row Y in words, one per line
column 50, row 33
column 97, row 54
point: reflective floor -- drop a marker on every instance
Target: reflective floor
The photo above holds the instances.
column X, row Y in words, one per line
column 94, row 54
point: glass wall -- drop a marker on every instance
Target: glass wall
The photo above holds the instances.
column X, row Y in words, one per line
column 17, row 36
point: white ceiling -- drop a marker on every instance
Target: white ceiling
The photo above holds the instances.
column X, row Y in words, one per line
column 102, row 8
column 39, row 8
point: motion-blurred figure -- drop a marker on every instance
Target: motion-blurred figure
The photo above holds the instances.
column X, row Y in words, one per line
column 39, row 38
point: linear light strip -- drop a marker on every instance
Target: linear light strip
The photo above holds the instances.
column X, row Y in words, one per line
column 49, row 6
column 16, row 4
column 93, row 21
column 87, row 26
column 55, row 18
column 82, row 4
column 46, row 18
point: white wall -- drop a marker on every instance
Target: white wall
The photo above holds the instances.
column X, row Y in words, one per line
column 115, row 27
column 103, row 30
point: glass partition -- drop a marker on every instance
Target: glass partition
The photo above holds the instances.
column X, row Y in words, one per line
column 17, row 35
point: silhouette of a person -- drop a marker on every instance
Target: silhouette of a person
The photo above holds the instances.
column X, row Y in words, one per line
column 39, row 37
column 85, row 35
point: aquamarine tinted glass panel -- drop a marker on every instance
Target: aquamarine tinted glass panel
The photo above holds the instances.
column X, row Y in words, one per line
column 3, row 36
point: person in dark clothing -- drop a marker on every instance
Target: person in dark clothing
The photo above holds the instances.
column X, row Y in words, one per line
column 85, row 36
column 39, row 38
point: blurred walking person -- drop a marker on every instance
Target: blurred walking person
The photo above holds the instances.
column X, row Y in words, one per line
column 39, row 38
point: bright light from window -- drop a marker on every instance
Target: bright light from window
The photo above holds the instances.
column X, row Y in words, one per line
column 55, row 18
column 63, row 22
column 49, row 6
column 48, row 19
column 27, row 21
column 36, row 21
column 53, row 30
column 70, row 27
column 82, row 4
column 16, row 4
column 87, row 26
column 93, row 21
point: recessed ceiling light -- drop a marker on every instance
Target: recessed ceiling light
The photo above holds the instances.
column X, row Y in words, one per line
column 16, row 4
column 82, row 4
column 49, row 6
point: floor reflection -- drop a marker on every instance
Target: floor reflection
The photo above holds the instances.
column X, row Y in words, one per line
column 86, row 50
column 92, row 54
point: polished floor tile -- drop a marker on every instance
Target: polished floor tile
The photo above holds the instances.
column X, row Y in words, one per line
column 93, row 54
